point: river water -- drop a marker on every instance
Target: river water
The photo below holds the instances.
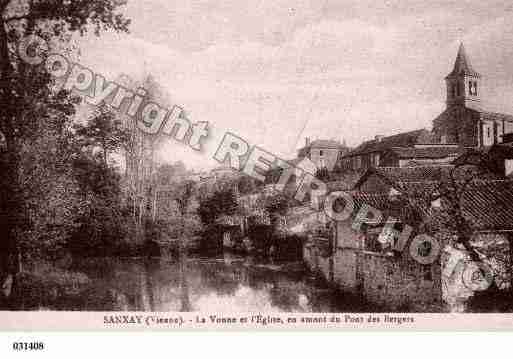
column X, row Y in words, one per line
column 223, row 284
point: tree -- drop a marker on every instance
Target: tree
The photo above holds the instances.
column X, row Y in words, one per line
column 26, row 92
column 140, row 166
column 103, row 131
column 221, row 202
column 247, row 184
column 277, row 204
column 168, row 173
column 50, row 190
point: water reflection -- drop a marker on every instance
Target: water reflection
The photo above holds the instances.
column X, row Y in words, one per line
column 226, row 284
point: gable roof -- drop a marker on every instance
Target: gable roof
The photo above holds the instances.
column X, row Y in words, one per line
column 401, row 208
column 405, row 139
column 493, row 116
column 325, row 144
column 398, row 176
column 488, row 205
column 431, row 152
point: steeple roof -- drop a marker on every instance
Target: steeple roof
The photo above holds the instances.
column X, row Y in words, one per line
column 462, row 65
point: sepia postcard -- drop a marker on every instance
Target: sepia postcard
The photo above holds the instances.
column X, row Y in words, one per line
column 256, row 165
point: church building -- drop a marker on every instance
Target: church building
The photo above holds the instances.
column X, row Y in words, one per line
column 465, row 121
column 463, row 125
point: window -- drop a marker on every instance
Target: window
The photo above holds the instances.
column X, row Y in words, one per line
column 358, row 162
column 488, row 132
column 427, row 273
column 375, row 160
column 321, row 153
column 472, row 88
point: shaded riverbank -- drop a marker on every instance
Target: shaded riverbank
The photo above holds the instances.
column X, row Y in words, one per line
column 225, row 283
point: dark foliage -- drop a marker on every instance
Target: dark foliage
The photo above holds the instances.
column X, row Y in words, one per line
column 221, row 202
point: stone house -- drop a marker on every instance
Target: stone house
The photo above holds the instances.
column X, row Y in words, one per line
column 420, row 155
column 372, row 153
column 323, row 153
column 361, row 264
column 357, row 263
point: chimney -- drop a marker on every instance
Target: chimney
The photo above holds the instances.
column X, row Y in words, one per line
column 307, row 141
column 378, row 138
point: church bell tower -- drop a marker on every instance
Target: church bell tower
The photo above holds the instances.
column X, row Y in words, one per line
column 463, row 83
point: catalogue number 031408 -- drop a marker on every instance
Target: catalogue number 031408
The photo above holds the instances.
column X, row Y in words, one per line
column 28, row 346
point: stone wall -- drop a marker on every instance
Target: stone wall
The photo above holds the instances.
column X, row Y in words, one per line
column 328, row 159
column 457, row 125
column 387, row 281
column 345, row 266
column 399, row 284
column 316, row 262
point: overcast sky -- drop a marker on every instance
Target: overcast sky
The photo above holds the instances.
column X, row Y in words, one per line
column 339, row 69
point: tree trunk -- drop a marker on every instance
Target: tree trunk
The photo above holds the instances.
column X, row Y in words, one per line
column 5, row 64
column 510, row 261
column 14, row 215
column 12, row 205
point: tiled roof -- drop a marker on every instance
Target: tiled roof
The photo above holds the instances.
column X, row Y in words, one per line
column 462, row 65
column 325, row 144
column 488, row 205
column 487, row 115
column 406, row 139
column 400, row 208
column 396, row 176
column 434, row 152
